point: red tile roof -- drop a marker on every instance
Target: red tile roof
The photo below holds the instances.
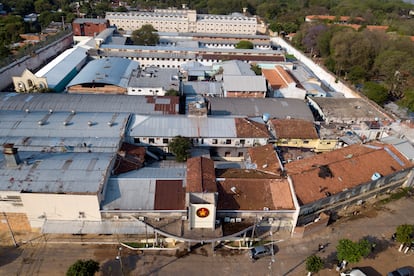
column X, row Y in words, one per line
column 201, row 176
column 294, row 129
column 254, row 194
column 265, row 158
column 377, row 27
column 341, row 169
column 169, row 195
column 332, row 17
column 278, row 77
column 246, row 128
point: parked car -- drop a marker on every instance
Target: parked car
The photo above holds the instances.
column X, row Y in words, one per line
column 402, row 271
column 259, row 251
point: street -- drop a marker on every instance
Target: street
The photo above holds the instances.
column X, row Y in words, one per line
column 47, row 257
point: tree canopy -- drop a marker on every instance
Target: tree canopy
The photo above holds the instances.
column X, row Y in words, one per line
column 351, row 251
column 314, row 263
column 404, row 233
column 146, row 35
column 83, row 268
column 244, row 44
column 180, row 147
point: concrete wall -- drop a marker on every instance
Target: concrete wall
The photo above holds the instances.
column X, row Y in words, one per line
column 39, row 207
column 33, row 62
column 329, row 78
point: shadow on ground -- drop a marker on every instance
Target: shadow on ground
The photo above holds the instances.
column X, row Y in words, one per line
column 9, row 253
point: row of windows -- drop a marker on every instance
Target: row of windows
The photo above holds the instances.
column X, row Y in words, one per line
column 140, row 90
column 200, row 141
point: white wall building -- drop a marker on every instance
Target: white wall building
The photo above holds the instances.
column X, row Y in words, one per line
column 188, row 21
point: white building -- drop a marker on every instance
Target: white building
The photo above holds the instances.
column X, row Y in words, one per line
column 187, row 21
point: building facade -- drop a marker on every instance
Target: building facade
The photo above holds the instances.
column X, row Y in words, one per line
column 187, row 21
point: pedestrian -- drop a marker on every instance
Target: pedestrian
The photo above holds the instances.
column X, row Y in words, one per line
column 320, row 247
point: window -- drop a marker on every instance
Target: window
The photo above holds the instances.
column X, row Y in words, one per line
column 242, row 141
column 306, row 142
column 137, row 140
column 165, row 140
column 240, row 154
column 228, row 141
column 227, row 154
column 214, row 141
column 151, row 140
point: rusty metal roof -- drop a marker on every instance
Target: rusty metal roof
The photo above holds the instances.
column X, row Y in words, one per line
column 201, row 175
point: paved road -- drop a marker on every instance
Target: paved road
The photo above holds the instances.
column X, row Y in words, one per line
column 53, row 259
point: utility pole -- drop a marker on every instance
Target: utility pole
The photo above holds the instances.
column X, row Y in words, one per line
column 10, row 230
column 119, row 258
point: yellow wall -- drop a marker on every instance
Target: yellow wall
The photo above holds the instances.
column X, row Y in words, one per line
column 316, row 144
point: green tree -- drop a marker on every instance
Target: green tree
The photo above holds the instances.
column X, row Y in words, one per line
column 180, row 147
column 172, row 92
column 351, row 251
column 146, row 35
column 83, row 268
column 404, row 233
column 256, row 69
column 42, row 5
column 244, row 44
column 314, row 263
column 376, row 92
column 408, row 100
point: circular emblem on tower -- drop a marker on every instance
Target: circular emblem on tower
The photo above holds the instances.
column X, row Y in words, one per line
column 202, row 212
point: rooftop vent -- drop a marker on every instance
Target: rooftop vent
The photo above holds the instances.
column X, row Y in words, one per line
column 11, row 155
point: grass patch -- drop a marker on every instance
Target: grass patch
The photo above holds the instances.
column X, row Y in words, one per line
column 404, row 192
column 138, row 244
column 290, row 57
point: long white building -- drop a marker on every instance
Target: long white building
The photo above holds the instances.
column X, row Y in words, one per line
column 187, row 21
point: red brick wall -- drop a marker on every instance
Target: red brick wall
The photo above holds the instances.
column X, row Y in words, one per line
column 89, row 28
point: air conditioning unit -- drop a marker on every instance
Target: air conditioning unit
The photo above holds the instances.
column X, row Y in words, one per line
column 238, row 219
column 232, row 220
column 270, row 220
column 226, row 219
column 184, row 218
column 141, row 218
column 115, row 217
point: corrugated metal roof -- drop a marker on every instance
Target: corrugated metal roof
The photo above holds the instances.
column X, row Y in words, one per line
column 157, row 173
column 157, row 77
column 244, row 83
column 110, row 70
column 129, row 194
column 275, row 107
column 170, row 126
column 66, row 131
column 235, row 67
column 81, row 103
column 56, row 70
column 402, row 145
column 79, row 173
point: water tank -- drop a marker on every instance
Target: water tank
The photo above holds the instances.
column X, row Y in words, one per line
column 266, row 117
column 375, row 176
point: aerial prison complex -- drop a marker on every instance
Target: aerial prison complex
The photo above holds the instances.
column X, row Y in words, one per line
column 283, row 149
column 67, row 170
